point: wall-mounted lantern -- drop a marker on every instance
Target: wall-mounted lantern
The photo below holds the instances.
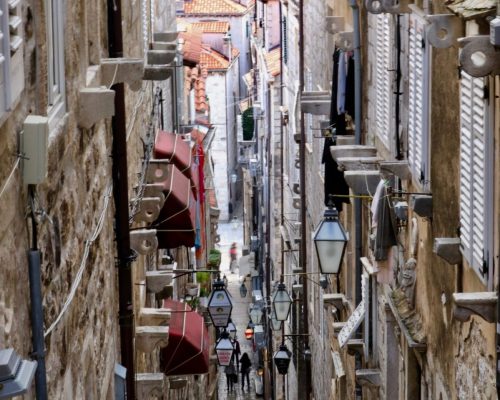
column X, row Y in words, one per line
column 281, row 302
column 224, row 349
column 219, row 305
column 282, row 359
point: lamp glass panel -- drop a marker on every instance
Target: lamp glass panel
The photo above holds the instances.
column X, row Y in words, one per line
column 224, row 349
column 282, row 302
column 330, row 255
column 220, row 307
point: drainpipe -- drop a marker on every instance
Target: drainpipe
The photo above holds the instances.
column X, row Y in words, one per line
column 358, row 215
column 37, row 338
column 303, row 208
column 120, row 195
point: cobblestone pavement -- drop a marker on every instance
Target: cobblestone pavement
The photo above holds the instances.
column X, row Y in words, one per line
column 232, row 232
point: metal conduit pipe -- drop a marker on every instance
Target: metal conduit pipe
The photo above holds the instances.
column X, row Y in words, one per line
column 358, row 215
column 120, row 195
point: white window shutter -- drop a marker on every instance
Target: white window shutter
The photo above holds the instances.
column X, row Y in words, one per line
column 475, row 161
column 418, row 91
column 383, row 78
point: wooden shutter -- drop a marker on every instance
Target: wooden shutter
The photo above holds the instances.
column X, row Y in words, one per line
column 383, row 67
column 475, row 161
column 418, row 91
column 4, row 55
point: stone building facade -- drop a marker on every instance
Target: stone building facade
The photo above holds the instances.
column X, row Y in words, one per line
column 424, row 300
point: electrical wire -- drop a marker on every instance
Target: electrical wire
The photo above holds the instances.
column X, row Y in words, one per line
column 83, row 262
column 10, row 175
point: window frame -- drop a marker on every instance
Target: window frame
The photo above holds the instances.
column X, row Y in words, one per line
column 418, row 139
column 478, row 217
column 56, row 88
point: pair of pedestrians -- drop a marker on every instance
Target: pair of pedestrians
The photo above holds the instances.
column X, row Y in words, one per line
column 232, row 372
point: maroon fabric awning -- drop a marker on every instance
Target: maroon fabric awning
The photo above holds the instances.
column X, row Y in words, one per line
column 176, row 224
column 173, row 147
column 187, row 352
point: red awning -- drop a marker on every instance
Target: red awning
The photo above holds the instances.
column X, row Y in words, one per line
column 188, row 342
column 173, row 147
column 176, row 224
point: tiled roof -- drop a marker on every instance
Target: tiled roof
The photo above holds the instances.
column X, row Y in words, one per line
column 211, row 59
column 192, row 47
column 273, row 61
column 473, row 8
column 213, row 7
column 210, row 27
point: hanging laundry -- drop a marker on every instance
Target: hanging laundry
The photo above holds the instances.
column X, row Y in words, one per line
column 336, row 120
column 335, row 183
column 349, row 89
column 384, row 219
column 341, row 82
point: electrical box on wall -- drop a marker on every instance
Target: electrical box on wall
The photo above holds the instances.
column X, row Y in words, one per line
column 34, row 148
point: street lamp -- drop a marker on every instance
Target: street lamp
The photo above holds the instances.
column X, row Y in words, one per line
column 282, row 359
column 224, row 349
column 243, row 290
column 330, row 240
column 281, row 302
column 219, row 305
column 256, row 315
column 231, row 327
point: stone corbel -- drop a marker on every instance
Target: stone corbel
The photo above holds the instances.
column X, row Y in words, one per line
column 443, row 30
column 398, row 168
column 160, row 57
column 448, row 249
column 167, row 36
column 157, row 280
column 358, row 163
column 118, row 70
column 356, row 150
column 362, row 182
column 144, row 241
column 154, row 316
column 356, row 346
column 95, row 104
column 421, row 205
column 479, row 303
column 155, row 190
column 337, row 300
column 337, row 327
column 148, row 338
column 157, row 72
column 149, row 209
column 488, row 64
column 158, row 171
column 369, row 378
column 334, row 24
column 315, row 103
column 150, row 385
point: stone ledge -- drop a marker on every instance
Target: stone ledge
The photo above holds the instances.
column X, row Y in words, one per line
column 370, row 378
column 482, row 304
column 448, row 249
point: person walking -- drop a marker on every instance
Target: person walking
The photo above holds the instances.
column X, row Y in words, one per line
column 237, row 352
column 230, row 372
column 246, row 365
column 233, row 254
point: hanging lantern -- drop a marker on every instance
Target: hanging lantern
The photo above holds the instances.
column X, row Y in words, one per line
column 282, row 359
column 219, row 305
column 231, row 328
column 224, row 349
column 275, row 324
column 330, row 240
column 281, row 302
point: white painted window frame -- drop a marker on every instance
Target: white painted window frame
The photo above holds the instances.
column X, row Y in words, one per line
column 11, row 54
column 54, row 11
column 476, row 175
column 419, row 81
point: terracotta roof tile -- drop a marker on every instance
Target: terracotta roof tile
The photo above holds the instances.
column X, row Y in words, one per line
column 213, row 7
column 273, row 61
column 192, row 47
column 209, row 27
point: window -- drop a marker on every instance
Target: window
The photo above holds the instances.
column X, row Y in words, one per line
column 55, row 62
column 418, row 102
column 383, row 78
column 11, row 54
column 476, row 183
